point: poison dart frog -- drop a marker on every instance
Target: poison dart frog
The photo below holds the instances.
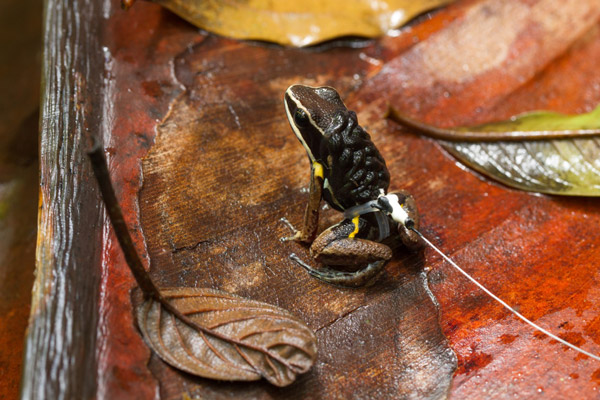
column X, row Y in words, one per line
column 349, row 173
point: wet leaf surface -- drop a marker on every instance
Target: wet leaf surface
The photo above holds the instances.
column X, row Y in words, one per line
column 471, row 82
column 239, row 339
column 298, row 23
column 462, row 74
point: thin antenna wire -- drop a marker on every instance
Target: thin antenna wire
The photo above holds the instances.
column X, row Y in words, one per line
column 499, row 300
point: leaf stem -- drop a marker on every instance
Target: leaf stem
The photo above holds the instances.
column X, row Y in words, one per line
column 464, row 135
column 115, row 215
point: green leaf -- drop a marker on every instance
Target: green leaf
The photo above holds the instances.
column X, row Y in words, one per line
column 541, row 151
column 547, row 121
column 565, row 167
column 535, row 125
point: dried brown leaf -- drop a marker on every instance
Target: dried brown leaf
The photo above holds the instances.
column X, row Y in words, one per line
column 207, row 332
column 230, row 338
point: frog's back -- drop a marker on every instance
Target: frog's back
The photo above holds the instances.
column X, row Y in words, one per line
column 357, row 172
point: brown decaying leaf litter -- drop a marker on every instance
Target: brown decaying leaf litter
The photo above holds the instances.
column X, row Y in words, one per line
column 198, row 233
column 251, row 339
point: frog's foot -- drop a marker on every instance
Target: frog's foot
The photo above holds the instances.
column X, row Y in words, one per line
column 298, row 236
column 352, row 279
column 296, row 233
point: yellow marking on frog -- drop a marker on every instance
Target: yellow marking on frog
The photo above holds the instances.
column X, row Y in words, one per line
column 317, row 170
column 355, row 222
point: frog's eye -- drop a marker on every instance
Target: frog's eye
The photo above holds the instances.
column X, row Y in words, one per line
column 301, row 118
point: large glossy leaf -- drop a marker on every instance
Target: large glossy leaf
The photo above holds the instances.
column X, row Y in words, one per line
column 467, row 70
column 297, row 23
column 233, row 338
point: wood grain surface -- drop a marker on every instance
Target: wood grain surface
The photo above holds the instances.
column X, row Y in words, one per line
column 61, row 335
column 205, row 164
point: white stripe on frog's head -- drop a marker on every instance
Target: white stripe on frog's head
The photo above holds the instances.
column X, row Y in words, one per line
column 298, row 99
column 314, row 114
column 292, row 104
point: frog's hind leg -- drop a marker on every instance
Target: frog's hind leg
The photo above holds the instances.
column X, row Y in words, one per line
column 334, row 247
column 352, row 279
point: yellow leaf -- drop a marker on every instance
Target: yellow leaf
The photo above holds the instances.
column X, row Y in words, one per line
column 298, row 23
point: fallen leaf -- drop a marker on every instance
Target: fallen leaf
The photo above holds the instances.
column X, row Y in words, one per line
column 224, row 167
column 233, row 338
column 207, row 332
column 565, row 167
column 517, row 159
column 297, row 23
column 534, row 125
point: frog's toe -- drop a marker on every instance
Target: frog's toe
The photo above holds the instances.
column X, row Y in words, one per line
column 409, row 238
column 294, row 238
column 296, row 233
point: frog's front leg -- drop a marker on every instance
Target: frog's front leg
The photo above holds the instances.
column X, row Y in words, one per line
column 311, row 215
column 337, row 247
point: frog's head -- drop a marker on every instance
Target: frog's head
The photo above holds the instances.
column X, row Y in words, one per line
column 315, row 113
